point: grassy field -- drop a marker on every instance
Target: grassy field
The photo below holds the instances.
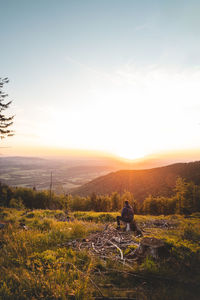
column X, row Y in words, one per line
column 36, row 263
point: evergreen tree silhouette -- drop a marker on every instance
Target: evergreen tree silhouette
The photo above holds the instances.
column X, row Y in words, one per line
column 5, row 121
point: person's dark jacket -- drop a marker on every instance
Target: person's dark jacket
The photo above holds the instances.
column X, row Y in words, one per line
column 127, row 213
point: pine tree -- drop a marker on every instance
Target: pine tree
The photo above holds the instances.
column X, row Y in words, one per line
column 5, row 122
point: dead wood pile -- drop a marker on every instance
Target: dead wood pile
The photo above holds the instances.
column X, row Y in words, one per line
column 111, row 243
column 108, row 243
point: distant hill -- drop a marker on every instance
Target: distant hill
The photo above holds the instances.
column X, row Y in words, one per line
column 156, row 181
column 68, row 172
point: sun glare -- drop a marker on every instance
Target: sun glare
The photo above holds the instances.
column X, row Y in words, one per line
column 130, row 154
column 127, row 119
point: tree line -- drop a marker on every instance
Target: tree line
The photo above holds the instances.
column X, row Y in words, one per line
column 186, row 200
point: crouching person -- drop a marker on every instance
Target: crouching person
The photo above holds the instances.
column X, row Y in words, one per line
column 127, row 216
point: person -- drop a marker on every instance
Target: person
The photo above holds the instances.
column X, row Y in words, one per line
column 127, row 216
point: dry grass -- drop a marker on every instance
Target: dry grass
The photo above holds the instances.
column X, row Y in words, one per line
column 35, row 265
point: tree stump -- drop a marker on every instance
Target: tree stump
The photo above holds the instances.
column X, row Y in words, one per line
column 150, row 246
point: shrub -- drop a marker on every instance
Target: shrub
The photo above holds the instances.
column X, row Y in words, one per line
column 191, row 232
column 149, row 265
column 43, row 225
column 16, row 203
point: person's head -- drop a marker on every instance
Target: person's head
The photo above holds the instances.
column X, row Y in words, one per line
column 126, row 203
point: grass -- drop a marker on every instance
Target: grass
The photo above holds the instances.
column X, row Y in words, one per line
column 35, row 264
column 98, row 217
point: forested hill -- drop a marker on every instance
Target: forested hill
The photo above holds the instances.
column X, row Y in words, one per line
column 157, row 181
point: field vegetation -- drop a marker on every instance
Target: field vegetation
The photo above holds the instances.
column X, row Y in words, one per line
column 39, row 258
column 36, row 263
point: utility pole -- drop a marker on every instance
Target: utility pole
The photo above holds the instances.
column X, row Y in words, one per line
column 50, row 189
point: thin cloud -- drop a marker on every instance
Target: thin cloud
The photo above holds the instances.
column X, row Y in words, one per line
column 101, row 74
column 142, row 27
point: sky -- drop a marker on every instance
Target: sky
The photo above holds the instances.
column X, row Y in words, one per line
column 117, row 76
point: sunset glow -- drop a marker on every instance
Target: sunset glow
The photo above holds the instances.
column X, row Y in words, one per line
column 130, row 119
column 136, row 94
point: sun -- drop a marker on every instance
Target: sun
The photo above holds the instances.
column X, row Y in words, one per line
column 131, row 154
